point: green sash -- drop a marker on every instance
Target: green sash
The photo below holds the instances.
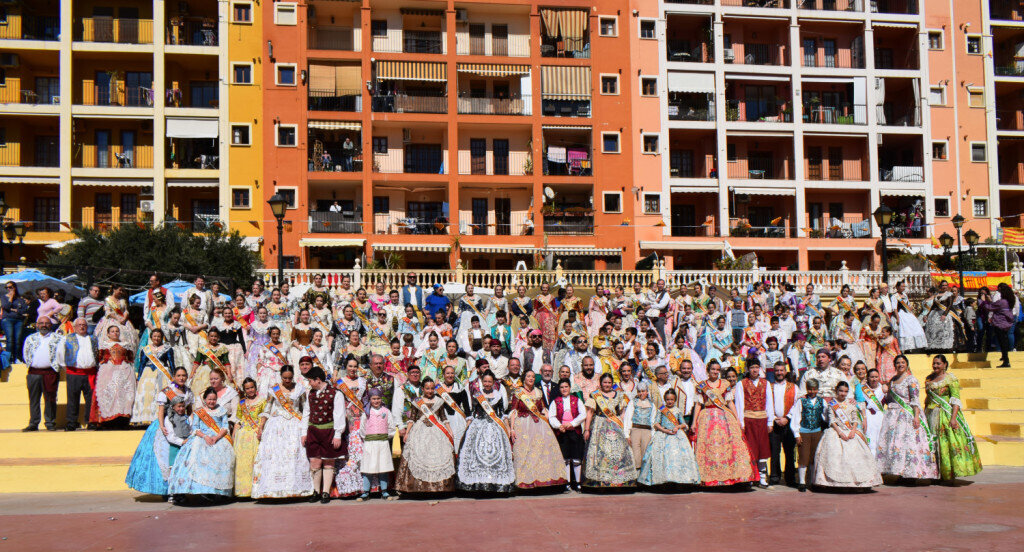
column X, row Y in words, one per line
column 948, row 409
column 906, row 407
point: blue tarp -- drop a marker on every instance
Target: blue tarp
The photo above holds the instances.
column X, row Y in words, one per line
column 177, row 288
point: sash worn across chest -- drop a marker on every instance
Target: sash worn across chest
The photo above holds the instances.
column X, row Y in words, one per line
column 606, row 409
column 485, row 403
column 285, row 402
column 421, row 405
column 446, row 396
column 151, row 355
column 523, row 396
column 349, row 394
column 207, row 419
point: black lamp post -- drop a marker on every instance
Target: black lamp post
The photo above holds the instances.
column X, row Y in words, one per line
column 958, row 223
column 278, row 205
column 19, row 231
column 883, row 218
column 3, row 216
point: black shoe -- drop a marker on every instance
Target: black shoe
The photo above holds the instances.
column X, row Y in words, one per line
column 1004, row 365
column 314, row 498
column 325, row 498
column 773, row 480
column 51, row 428
column 30, row 428
column 802, row 488
column 70, row 427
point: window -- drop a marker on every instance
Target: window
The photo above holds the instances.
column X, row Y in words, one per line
column 981, row 207
column 937, row 95
column 286, row 74
column 290, row 195
column 613, row 202
column 380, row 144
column 975, row 96
column 286, row 135
column 241, row 135
column 610, row 142
column 286, row 13
column 647, row 29
column 609, row 27
column 651, row 144
column 241, row 73
column 652, row 204
column 241, row 12
column 979, row 152
column 730, row 153
column 974, row 44
column 609, row 84
column 240, row 198
column 379, row 27
column 942, row 206
column 648, row 86
column 939, row 152
column 934, row 40
column 381, row 205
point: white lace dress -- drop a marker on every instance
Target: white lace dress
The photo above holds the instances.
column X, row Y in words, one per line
column 281, row 469
column 839, row 463
column 485, row 460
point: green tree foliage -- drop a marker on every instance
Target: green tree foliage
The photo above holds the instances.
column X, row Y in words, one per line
column 165, row 249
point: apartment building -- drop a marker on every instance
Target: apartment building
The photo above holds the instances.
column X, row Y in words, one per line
column 488, row 132
column 114, row 112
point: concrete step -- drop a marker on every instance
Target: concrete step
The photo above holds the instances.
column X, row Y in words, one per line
column 1001, row 451
column 981, row 421
column 1012, row 429
column 79, row 444
column 994, row 391
column 986, row 372
column 15, row 416
column 994, row 403
column 61, row 475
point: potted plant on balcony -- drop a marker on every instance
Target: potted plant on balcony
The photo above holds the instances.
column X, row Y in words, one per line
column 741, row 230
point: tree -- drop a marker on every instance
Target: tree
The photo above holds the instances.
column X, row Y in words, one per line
column 164, row 249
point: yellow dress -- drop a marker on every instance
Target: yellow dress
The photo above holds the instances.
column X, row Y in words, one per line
column 246, row 442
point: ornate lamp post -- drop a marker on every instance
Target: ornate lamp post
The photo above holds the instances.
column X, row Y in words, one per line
column 958, row 223
column 278, row 205
column 883, row 218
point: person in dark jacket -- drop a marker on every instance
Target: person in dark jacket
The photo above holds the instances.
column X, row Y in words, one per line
column 1001, row 318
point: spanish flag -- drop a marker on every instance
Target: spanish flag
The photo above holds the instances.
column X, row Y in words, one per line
column 1013, row 236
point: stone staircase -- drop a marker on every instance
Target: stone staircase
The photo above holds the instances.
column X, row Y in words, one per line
column 58, row 461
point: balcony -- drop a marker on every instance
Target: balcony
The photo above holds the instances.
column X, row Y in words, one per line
column 687, row 51
column 114, row 156
column 336, row 100
column 835, row 52
column 569, row 221
column 565, row 33
column 568, row 161
column 758, row 227
column 496, row 223
column 192, row 31
column 329, row 37
column 760, row 168
column 842, row 113
column 115, row 30
column 407, row 103
column 774, row 4
column 691, row 154
column 335, row 222
column 903, row 58
column 116, row 94
column 46, row 92
column 756, row 54
column 758, row 112
column 1014, row 69
column 31, row 145
column 193, row 153
column 904, row 7
column 334, row 157
column 1007, row 10
column 410, row 42
column 491, row 162
column 414, row 221
column 690, row 106
column 1006, row 119
column 477, row 38
column 831, row 5
column 494, row 105
column 413, row 159
column 30, row 27
column 898, row 173
column 842, row 227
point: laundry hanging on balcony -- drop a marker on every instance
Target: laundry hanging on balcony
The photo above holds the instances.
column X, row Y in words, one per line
column 556, row 154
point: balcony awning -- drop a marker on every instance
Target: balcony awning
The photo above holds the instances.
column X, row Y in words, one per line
column 894, row 24
column 29, row 180
column 582, row 251
column 424, row 247
column 901, row 192
column 565, row 127
column 331, row 242
column 192, row 128
column 565, row 82
column 192, row 183
column 769, row 78
column 252, row 243
column 682, row 245
column 494, row 69
column 422, row 12
column 507, row 249
column 691, row 82
column 336, row 125
column 765, row 191
column 334, row 78
column 130, row 182
column 412, row 70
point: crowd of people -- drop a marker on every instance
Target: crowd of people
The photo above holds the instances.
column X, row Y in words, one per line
column 343, row 392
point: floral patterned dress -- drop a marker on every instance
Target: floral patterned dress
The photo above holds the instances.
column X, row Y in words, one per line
column 247, row 420
column 722, row 454
column 902, row 449
column 535, row 452
column 609, row 459
column 847, row 464
column 955, row 449
column 669, row 458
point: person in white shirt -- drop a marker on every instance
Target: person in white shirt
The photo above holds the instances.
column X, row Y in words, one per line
column 566, row 414
column 78, row 355
column 686, row 388
column 784, row 393
column 325, row 422
column 659, row 300
column 497, row 361
column 199, row 290
column 40, row 354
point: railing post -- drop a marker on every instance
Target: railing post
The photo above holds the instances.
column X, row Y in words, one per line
column 558, row 271
column 459, row 272
column 755, row 272
column 357, row 275
column 844, row 275
column 1017, row 274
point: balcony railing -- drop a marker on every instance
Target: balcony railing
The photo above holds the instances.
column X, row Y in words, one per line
column 1015, row 70
column 332, row 38
column 12, row 92
column 121, row 31
column 493, row 223
column 404, row 103
column 192, row 33
column 760, row 169
column 568, row 161
column 406, row 223
column 514, row 45
column 413, row 161
column 31, row 28
column 842, row 114
column 1010, row 119
column 707, row 230
column 759, row 54
column 495, row 106
column 135, row 96
column 553, row 47
column 335, row 158
column 335, row 100
column 686, row 51
column 513, row 163
column 906, row 7
column 831, row 5
column 1007, row 10
column 899, row 115
column 744, row 227
column 757, row 113
column 904, row 59
column 115, row 157
column 331, row 222
column 410, row 42
column 778, row 4
column 684, row 111
column 844, row 227
column 901, row 174
column 841, row 59
column 569, row 222
column 41, row 157
column 565, row 108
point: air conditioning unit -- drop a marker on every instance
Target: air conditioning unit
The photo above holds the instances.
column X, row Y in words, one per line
column 461, row 14
column 8, row 59
column 728, row 55
column 406, row 135
column 146, row 206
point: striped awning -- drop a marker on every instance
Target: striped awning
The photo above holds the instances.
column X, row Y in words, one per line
column 494, row 69
column 421, row 11
column 507, row 249
column 422, row 247
column 118, row 182
column 897, row 192
column 765, row 191
column 336, row 125
column 565, row 82
column 192, row 183
column 582, row 251
column 681, row 245
column 330, row 242
column 412, row 70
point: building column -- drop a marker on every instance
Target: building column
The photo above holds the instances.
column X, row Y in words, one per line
column 160, row 203
column 65, row 125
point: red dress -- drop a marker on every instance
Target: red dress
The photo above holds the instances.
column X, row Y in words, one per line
column 755, row 418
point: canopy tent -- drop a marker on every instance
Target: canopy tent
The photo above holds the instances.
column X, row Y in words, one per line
column 31, row 280
column 176, row 288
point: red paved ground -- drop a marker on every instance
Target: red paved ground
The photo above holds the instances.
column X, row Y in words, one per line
column 979, row 517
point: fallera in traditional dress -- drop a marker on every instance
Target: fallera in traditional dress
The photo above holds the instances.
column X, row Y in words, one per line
column 428, row 459
column 903, row 450
column 348, row 481
column 150, row 381
column 669, row 458
column 609, row 459
column 485, row 459
column 114, row 395
column 281, row 469
column 151, row 463
column 201, row 468
column 721, row 453
column 839, row 463
column 535, row 452
column 956, row 451
column 247, row 419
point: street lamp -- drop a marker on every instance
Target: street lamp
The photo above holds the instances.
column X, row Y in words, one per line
column 958, row 223
column 3, row 216
column 19, row 231
column 883, row 218
column 278, row 204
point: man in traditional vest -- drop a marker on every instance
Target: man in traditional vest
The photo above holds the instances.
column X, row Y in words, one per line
column 324, row 439
column 40, row 354
column 784, row 393
column 413, row 294
column 753, row 395
column 78, row 354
